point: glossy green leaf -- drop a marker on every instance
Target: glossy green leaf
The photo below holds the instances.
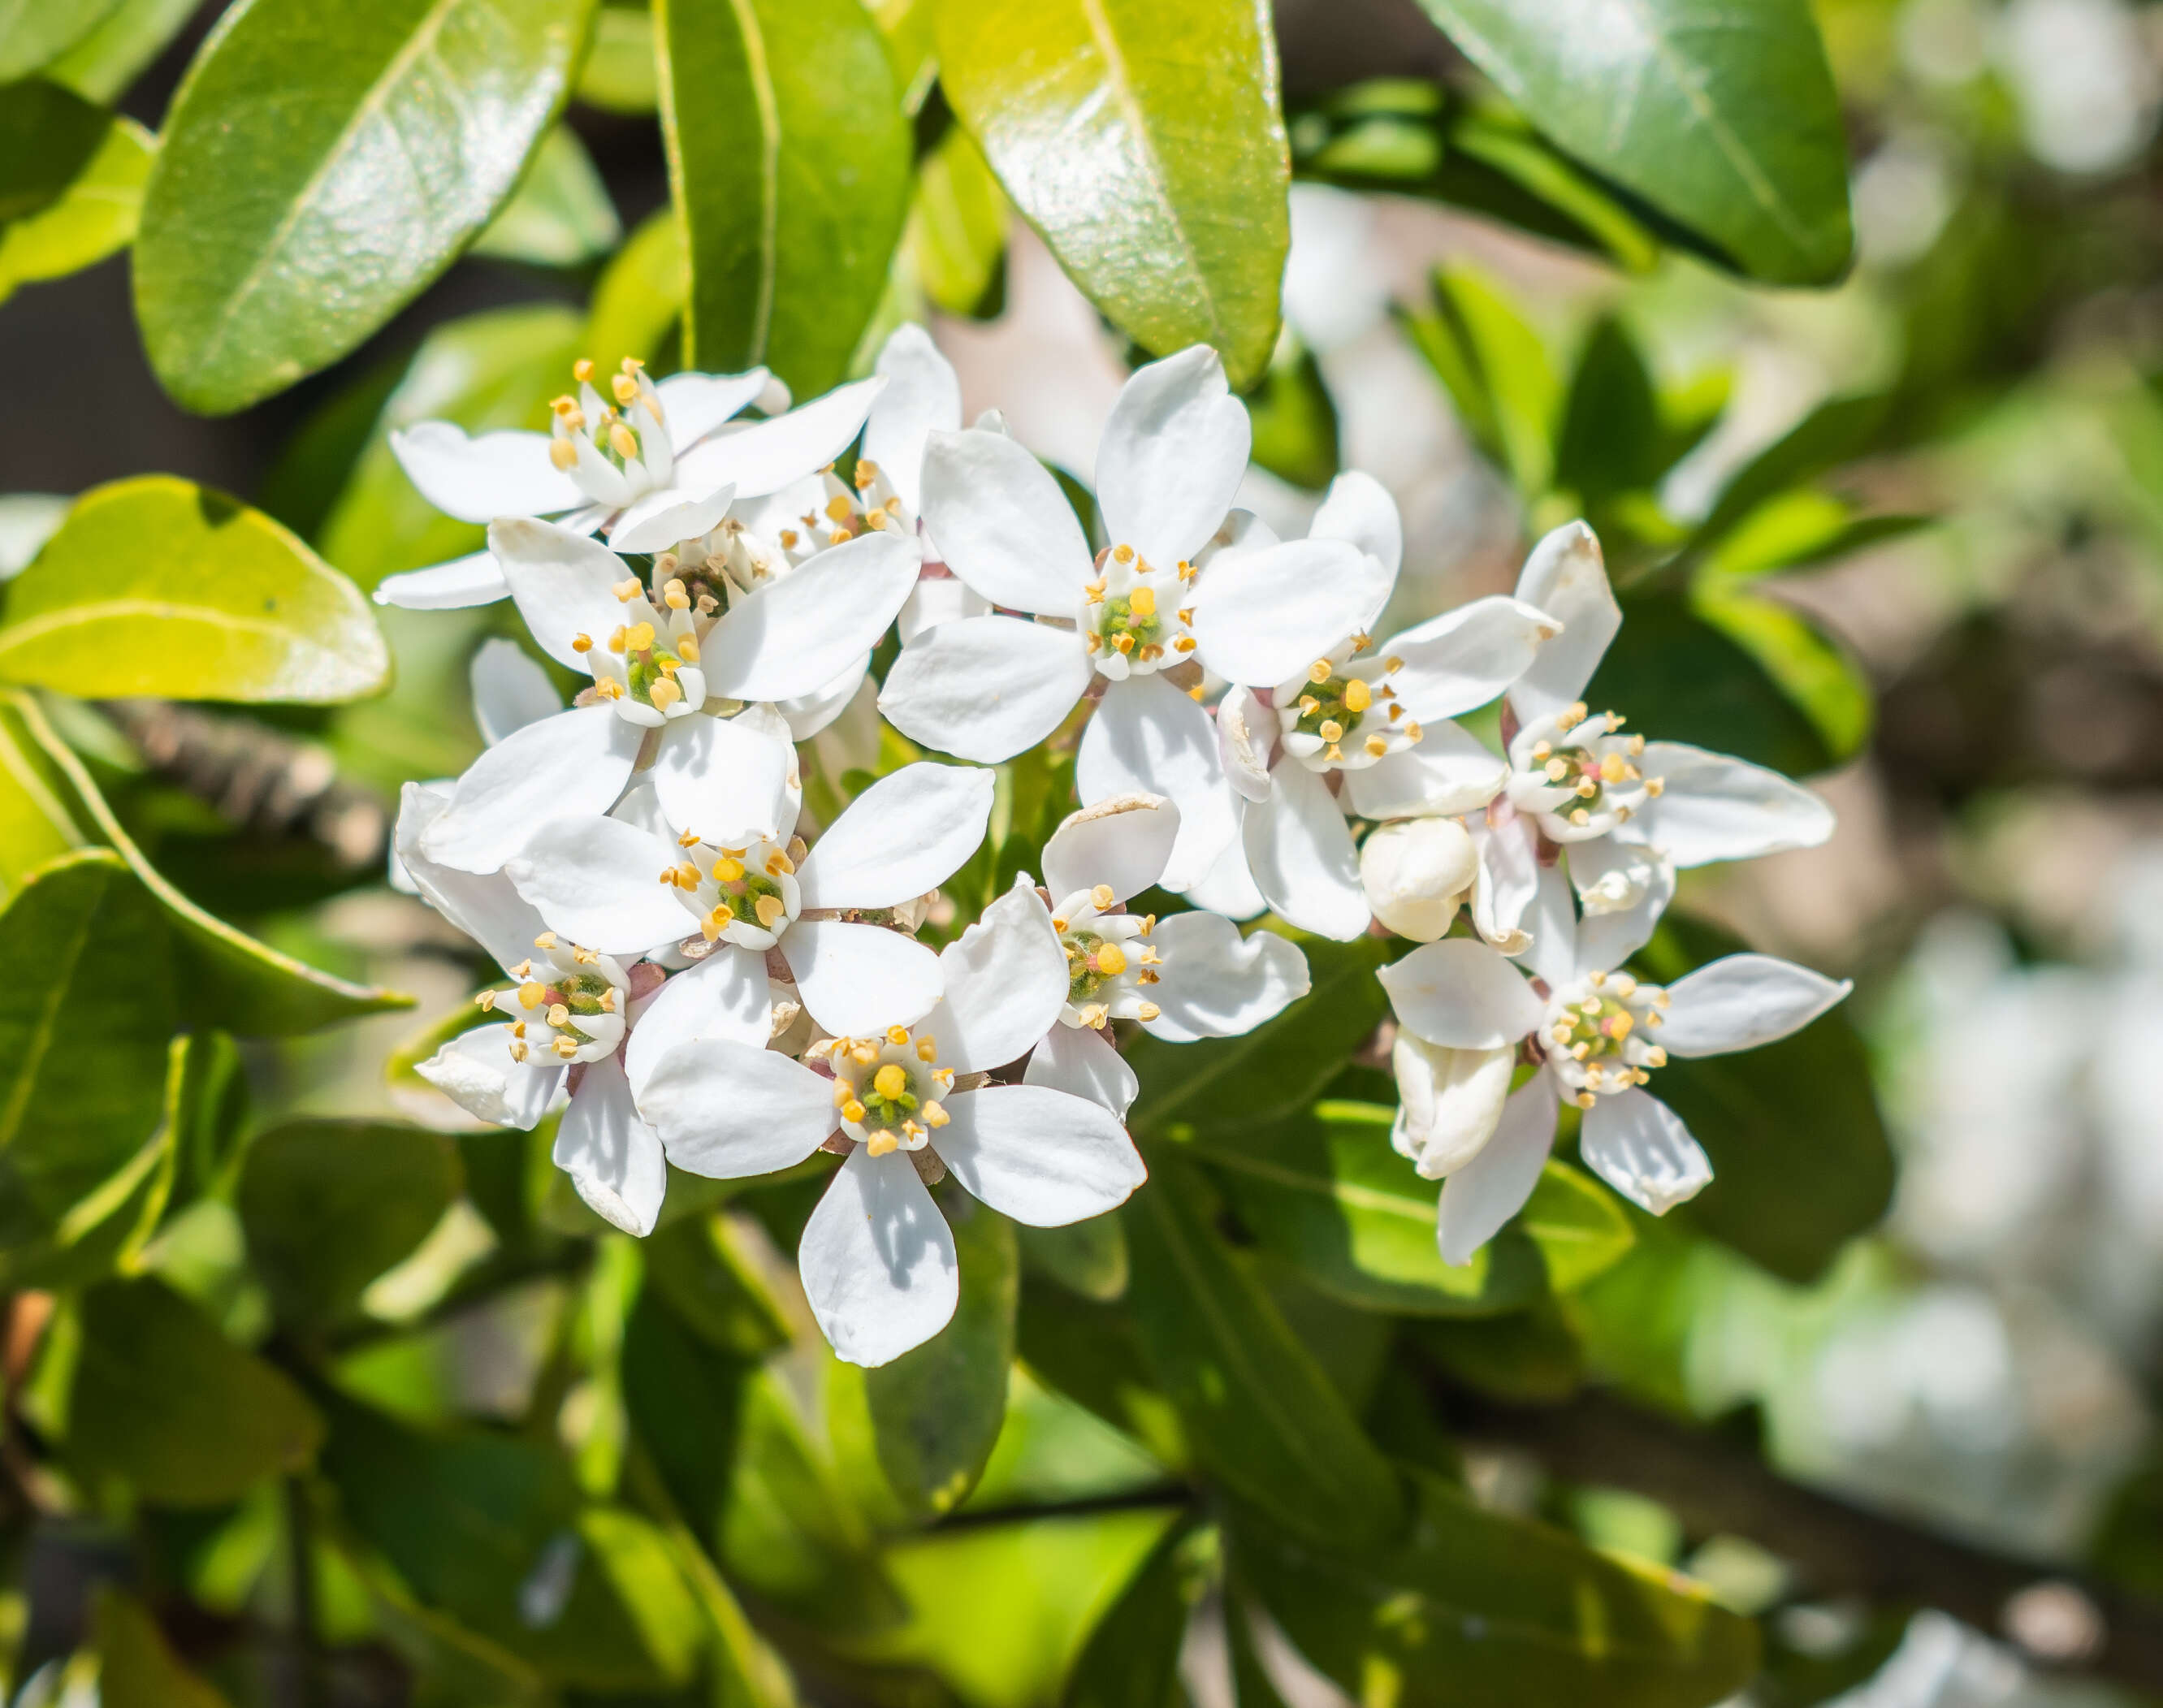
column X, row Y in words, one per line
column 561, row 214
column 1088, row 1257
column 641, row 297
column 1581, row 1230
column 1818, row 676
column 34, row 33
column 1261, row 1416
column 1153, row 160
column 101, row 65
column 1476, row 1609
column 1132, row 1657
column 955, row 239
column 1295, row 421
column 39, row 821
column 94, row 215
column 137, row 1666
column 319, row 169
column 1727, row 122
column 48, row 135
column 1496, row 371
column 789, row 158
column 229, row 606
column 618, row 73
column 165, row 1401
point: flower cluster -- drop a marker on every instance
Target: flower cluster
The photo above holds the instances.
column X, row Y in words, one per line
column 705, row 972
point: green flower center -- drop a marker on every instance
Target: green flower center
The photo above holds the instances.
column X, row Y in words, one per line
column 1092, row 963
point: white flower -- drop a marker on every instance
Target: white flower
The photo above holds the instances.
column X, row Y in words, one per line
column 986, row 687
column 1417, row 873
column 644, row 467
column 904, row 1101
column 1599, row 1035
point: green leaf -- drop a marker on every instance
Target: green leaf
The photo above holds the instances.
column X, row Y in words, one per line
column 1476, row 1609
column 618, row 73
column 101, row 65
column 1295, row 421
column 641, row 297
column 137, row 1667
column 1818, row 675
column 956, row 240
column 328, row 1206
column 1529, row 1356
column 1132, row 1657
column 1261, row 1416
column 39, row 822
column 789, row 160
column 1087, row 1257
column 34, row 33
column 164, row 1400
column 319, row 170
column 1089, row 1352
column 1580, row 1230
column 48, row 135
column 695, row 1265
column 94, row 215
column 1496, row 371
column 1609, row 441
column 1833, row 434
column 1798, row 528
column 1727, row 122
column 229, row 606
column 1152, row 161
column 561, row 215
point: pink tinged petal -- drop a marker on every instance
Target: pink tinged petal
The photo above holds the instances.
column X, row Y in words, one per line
column 1486, row 1191
column 464, row 582
column 695, row 404
column 479, row 480
column 1604, row 940
column 808, row 713
column 725, row 998
column 1082, row 1061
column 727, row 780
column 572, row 765
column 1173, row 451
column 1740, row 1001
column 1713, row 807
column 1003, row 524
column 985, row 688
column 489, row 909
column 1148, row 737
column 1045, row 1157
column 1227, row 888
column 1123, row 841
column 1566, row 578
column 662, row 519
column 1449, row 771
column 1462, row 994
column 1508, row 878
column 613, row 1157
column 767, row 456
column 1358, row 508
column 877, row 1260
column 905, row 835
column 1006, row 982
column 1262, row 616
column 1215, row 983
column 564, row 584
column 730, row 1111
column 1468, row 657
column 857, row 978
column 795, row 634
column 1639, row 1146
column 923, row 396
column 936, row 599
column 476, row 1071
column 596, row 881
column 1300, row 851
column 1558, row 950
column 510, row 690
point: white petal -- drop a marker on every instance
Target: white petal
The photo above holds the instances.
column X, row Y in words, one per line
column 1146, row 737
column 1045, row 1157
column 572, row 765
column 1358, row 508
column 857, row 978
column 1123, row 841
column 1740, row 1001
column 1449, row 771
column 1246, row 736
column 477, row 481
column 1262, row 616
column 1467, row 657
column 905, row 835
column 477, row 580
column 794, row 634
column 596, row 883
column 489, row 909
column 475, row 1071
column 772, row 513
column 1484, row 1194
column 1566, row 578
column 728, row 1111
column 1449, row 1101
column 1713, row 807
column 923, row 396
column 562, row 582
column 726, row 779
column 663, row 518
column 1215, row 983
column 807, row 713
column 510, row 690
column 1006, row 982
column 1415, row 874
column 1300, row 851
column 1002, row 524
column 1227, row 888
column 613, row 1157
column 1461, row 994
column 1083, row 1061
column 1169, row 461
column 877, row 1260
column 695, row 404
column 936, row 599
column 1558, row 952
column 724, row 998
column 985, row 688
column 766, row 457
column 1605, row 939
column 1509, row 876
column 1639, row 1146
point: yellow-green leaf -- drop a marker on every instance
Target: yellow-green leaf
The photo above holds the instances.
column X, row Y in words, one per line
column 618, row 75
column 562, row 214
column 94, row 214
column 34, row 32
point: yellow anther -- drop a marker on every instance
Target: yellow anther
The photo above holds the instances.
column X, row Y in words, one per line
column 1656, row 1057
column 531, row 993
column 1556, row 769
column 1596, row 980
column 1613, row 768
column 1395, row 712
column 1636, row 746
column 944, row 1077
column 1149, row 924
column 897, row 1035
column 518, row 1029
column 839, row 509
column 675, row 595
column 893, row 506
column 1362, row 641
column 564, row 453
column 1187, row 616
column 1122, row 554
column 876, row 518
column 1147, row 1011
column 1095, row 590
column 563, row 405
column 1149, row 654
column 689, row 839
column 727, row 870
column 1318, row 671
column 625, row 442
column 789, row 539
column 1103, row 896
column 1308, row 706
column 863, row 1055
column 1618, row 1025
column 1196, row 695
column 770, row 909
column 927, row 1048
column 609, row 687
column 519, row 1050
column 843, row 1091
column 1580, row 817
column 1586, row 788
column 486, row 1001
column 840, row 537
column 1146, row 977
column 1185, row 643
column 546, row 939
column 1058, row 925
column 853, row 1111
column 1124, row 642
column 686, row 876
column 631, row 364
column 582, row 643
column 867, row 471
column 1111, row 960
column 565, row 1047
column 1142, row 602
column 1332, row 751
column 1392, row 664
column 625, row 387
column 723, row 916
column 891, row 1081
column 1095, row 1015
column 882, row 1143
column 664, row 694
column 777, row 862
column 686, row 649
column 1654, row 787
column 627, row 589
column 639, row 637
column 583, row 369
column 1412, row 732
column 558, row 1015
column 1377, row 746
column 1585, row 1100
column 1541, row 751
column 1331, row 730
column 608, row 1000
column 1093, row 641
column 1357, row 696
column 668, row 666
column 934, row 1115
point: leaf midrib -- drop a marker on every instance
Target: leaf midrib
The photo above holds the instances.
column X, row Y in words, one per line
column 31, row 1060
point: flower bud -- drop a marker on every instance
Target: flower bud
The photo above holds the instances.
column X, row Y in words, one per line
column 1417, row 873
column 1451, row 1100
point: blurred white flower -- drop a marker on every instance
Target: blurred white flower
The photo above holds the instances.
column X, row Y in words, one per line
column 2085, row 79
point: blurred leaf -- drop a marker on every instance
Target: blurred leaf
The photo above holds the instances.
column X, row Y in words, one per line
column 1728, row 123
column 318, row 170
column 956, row 235
column 618, row 73
column 1580, row 1230
column 1152, row 161
column 1496, row 371
column 1132, row 1657
column 1831, row 434
column 1261, row 1416
column 137, row 1667
column 1477, row 1608
column 93, row 214
column 328, row 1206
column 229, row 606
column 38, row 821
column 1798, row 528
column 101, row 65
column 1816, row 673
column 1609, row 441
column 694, row 1265
column 164, row 1400
column 906, row 26
column 1090, row 1353
column 1295, row 423
column 1527, row 1356
column 451, row 1667
column 210, row 1111
column 789, row 160
column 1252, row 1687
column 47, row 137
column 34, row 33
column 1087, row 1257
column 640, row 297
column 561, row 214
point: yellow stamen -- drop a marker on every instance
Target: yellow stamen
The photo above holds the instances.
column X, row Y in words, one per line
column 927, row 1048
column 777, row 862
column 1147, row 1011
column 1111, row 960
column 1142, row 602
column 582, row 643
column 1331, row 730
column 1377, row 746
column 564, row 453
column 934, row 1115
column 1357, row 696
column 1318, row 671
column 626, row 588
column 882, row 1143
column 770, row 909
column 531, row 993
column 686, row 649
column 583, row 369
column 890, row 1082
column 625, row 442
column 664, row 694
column 626, row 389
column 1122, row 554
column 565, row 1048
column 897, row 1035
column 853, row 1111
column 1102, row 896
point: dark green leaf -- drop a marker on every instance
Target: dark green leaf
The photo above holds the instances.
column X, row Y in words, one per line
column 34, row 33
column 94, row 216
column 1090, row 1352
column 1831, row 434
column 47, row 136
column 1295, row 421
column 319, row 169
column 1580, row 1230
column 1819, row 675
column 695, row 1266
column 1610, row 441
column 1527, row 1356
column 561, row 214
column 1087, row 1257
column 1132, row 1657
column 101, row 65
column 1154, row 161
column 1496, row 371
column 136, row 1666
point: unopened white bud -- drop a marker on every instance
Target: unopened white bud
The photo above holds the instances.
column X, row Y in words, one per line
column 1417, row 873
column 1451, row 1100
